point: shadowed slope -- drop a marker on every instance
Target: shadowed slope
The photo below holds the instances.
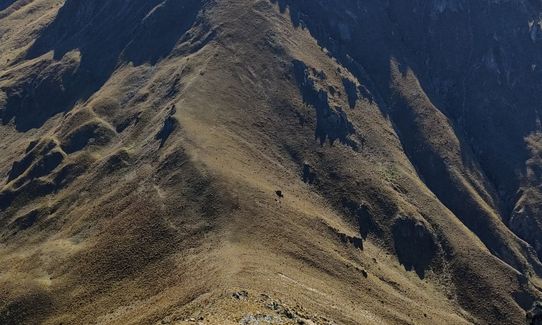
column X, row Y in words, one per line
column 196, row 172
column 104, row 35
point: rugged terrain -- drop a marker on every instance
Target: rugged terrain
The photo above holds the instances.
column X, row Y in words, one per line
column 270, row 161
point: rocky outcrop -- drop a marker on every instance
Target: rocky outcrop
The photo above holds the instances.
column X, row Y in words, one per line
column 169, row 126
column 246, row 193
column 526, row 218
column 53, row 88
column 415, row 244
column 534, row 315
column 527, row 223
column 40, row 159
column 86, row 53
column 331, row 123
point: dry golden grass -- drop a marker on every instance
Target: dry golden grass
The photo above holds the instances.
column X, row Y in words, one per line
column 125, row 231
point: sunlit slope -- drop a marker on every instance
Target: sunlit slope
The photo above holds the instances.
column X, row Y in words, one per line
column 236, row 161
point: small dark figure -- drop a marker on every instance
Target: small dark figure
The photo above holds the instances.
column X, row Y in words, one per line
column 279, row 194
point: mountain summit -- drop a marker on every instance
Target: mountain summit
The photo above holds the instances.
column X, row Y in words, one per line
column 270, row 162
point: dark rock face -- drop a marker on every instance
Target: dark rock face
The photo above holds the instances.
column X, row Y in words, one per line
column 33, row 100
column 42, row 170
column 309, row 175
column 526, row 224
column 415, row 245
column 170, row 124
column 367, row 224
column 477, row 63
column 534, row 315
column 526, row 219
column 27, row 221
column 135, row 30
column 104, row 33
column 40, row 160
column 331, row 124
column 355, row 241
column 351, row 92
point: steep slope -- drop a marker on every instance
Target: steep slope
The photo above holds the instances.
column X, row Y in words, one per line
column 236, row 161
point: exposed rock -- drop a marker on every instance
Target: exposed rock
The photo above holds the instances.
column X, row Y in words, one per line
column 527, row 224
column 260, row 319
column 415, row 245
column 31, row 101
column 287, row 315
column 534, row 315
column 355, row 241
column 170, row 124
column 367, row 224
column 351, row 92
column 26, row 221
column 309, row 176
column 40, row 160
column 240, row 295
column 332, row 124
column 132, row 120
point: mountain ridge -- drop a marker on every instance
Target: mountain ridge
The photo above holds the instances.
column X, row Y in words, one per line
column 146, row 142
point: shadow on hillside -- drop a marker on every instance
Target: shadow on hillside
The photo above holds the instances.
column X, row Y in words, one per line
column 6, row 3
column 107, row 34
column 365, row 38
column 351, row 42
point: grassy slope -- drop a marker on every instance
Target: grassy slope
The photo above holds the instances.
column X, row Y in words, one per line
column 149, row 233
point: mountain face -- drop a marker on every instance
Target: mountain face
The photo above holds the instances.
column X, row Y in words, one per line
column 270, row 161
